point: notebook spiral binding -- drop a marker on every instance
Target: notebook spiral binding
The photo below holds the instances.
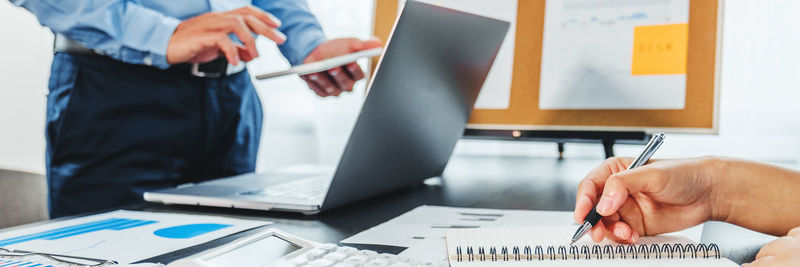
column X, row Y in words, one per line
column 599, row 252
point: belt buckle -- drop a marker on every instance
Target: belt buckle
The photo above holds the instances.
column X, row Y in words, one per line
column 213, row 69
column 197, row 73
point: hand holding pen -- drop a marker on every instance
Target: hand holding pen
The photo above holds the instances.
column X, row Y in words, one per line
column 607, row 201
column 660, row 197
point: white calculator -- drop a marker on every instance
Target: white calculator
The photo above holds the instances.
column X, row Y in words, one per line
column 275, row 248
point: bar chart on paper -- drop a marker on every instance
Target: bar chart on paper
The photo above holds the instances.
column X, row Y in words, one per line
column 123, row 236
column 115, row 224
column 21, row 263
column 604, row 54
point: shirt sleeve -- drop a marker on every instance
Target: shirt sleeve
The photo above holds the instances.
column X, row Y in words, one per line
column 120, row 29
column 302, row 30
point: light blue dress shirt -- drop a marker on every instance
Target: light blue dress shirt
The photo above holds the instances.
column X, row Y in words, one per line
column 138, row 31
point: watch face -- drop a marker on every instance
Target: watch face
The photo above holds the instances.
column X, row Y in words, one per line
column 256, row 254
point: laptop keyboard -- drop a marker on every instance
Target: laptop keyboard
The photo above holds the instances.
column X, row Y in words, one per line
column 306, row 189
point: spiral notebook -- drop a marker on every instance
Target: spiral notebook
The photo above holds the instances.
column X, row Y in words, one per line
column 549, row 246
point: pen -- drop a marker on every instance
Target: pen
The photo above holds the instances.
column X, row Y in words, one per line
column 454, row 226
column 592, row 219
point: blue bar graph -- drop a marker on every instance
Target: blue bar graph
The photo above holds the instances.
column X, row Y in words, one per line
column 115, row 224
column 10, row 263
column 16, row 263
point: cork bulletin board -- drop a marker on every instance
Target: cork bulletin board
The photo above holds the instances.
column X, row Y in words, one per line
column 699, row 113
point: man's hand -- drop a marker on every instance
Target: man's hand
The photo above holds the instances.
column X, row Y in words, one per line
column 660, row 197
column 784, row 251
column 202, row 38
column 332, row 82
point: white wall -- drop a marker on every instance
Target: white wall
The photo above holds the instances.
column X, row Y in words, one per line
column 759, row 100
column 26, row 51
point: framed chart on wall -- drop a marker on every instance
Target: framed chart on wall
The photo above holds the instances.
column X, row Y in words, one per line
column 595, row 69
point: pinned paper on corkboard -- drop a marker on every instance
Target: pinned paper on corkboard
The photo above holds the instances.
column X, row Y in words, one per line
column 660, row 49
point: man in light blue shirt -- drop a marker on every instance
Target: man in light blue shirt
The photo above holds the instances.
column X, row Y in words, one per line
column 149, row 94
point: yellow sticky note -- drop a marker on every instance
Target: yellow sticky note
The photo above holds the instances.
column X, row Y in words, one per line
column 660, row 49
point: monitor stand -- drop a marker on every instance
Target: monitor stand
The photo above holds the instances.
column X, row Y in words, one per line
column 606, row 138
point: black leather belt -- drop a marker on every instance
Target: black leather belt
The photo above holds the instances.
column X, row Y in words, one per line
column 213, row 69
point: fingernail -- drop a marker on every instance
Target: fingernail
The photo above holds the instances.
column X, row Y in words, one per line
column 621, row 233
column 635, row 237
column 275, row 19
column 329, row 90
column 281, row 36
column 604, row 206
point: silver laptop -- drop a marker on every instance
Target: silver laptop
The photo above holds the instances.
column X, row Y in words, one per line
column 418, row 104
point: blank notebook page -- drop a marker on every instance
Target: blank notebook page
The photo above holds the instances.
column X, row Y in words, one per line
column 549, row 246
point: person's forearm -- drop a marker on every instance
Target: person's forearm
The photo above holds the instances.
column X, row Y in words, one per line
column 302, row 29
column 123, row 30
column 756, row 196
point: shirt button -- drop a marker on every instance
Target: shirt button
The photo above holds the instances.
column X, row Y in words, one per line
column 148, row 60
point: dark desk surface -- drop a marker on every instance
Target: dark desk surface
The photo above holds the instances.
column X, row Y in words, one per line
column 469, row 181
column 480, row 182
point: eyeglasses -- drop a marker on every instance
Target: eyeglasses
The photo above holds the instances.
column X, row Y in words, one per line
column 53, row 259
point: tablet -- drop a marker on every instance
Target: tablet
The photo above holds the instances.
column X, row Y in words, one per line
column 323, row 65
